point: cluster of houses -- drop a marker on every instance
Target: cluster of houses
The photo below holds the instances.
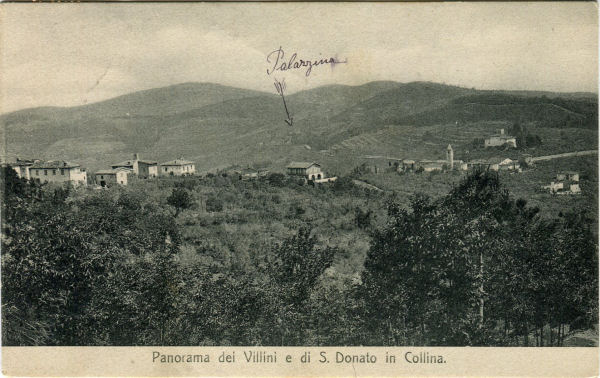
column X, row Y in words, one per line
column 121, row 173
column 62, row 171
column 566, row 183
column 448, row 164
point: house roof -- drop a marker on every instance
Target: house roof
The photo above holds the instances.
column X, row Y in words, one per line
column 107, row 172
column 178, row 162
column 129, row 163
column 54, row 164
column 502, row 136
column 112, row 171
column 432, row 162
column 302, row 164
column 24, row 162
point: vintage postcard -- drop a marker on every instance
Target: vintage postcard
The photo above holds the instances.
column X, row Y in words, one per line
column 299, row 189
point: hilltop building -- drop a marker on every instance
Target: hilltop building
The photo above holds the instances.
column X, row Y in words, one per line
column 141, row 168
column 177, row 167
column 58, row 171
column 310, row 171
column 110, row 177
column 501, row 140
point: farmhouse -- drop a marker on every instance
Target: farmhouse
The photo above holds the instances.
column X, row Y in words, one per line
column 141, row 168
column 177, row 167
column 110, row 177
column 58, row 171
column 501, row 140
column 310, row 171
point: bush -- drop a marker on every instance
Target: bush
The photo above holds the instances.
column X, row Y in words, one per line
column 276, row 179
column 343, row 184
column 214, row 204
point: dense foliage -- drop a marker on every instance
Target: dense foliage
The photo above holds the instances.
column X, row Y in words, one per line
column 121, row 267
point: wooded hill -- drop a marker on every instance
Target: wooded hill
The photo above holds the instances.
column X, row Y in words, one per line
column 219, row 126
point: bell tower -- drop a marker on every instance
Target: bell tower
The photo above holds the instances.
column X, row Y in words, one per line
column 450, row 157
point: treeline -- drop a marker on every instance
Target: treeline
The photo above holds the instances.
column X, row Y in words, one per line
column 474, row 267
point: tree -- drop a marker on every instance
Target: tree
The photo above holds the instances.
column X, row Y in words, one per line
column 180, row 199
column 294, row 270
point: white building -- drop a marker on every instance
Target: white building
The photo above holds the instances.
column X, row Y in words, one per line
column 110, row 177
column 58, row 171
column 501, row 140
column 177, row 167
column 310, row 171
column 141, row 168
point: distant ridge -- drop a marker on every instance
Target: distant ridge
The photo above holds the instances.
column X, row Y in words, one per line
column 218, row 125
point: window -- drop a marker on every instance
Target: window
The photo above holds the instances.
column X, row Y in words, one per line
column 45, row 172
column 165, row 169
column 62, row 171
column 54, row 172
column 101, row 177
column 37, row 172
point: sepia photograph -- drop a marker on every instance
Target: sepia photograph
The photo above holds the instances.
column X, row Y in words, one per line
column 299, row 175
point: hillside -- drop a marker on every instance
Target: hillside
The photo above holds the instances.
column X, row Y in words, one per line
column 219, row 126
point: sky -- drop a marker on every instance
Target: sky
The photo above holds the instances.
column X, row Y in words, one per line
column 74, row 54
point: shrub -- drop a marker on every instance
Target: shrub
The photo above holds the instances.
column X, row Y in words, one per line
column 214, row 204
column 276, row 179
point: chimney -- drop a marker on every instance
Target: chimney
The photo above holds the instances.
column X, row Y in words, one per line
column 135, row 156
column 501, row 131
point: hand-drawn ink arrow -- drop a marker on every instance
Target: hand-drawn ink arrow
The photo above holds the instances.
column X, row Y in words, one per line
column 280, row 87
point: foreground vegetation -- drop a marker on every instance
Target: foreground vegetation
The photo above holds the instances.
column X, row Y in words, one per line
column 219, row 261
